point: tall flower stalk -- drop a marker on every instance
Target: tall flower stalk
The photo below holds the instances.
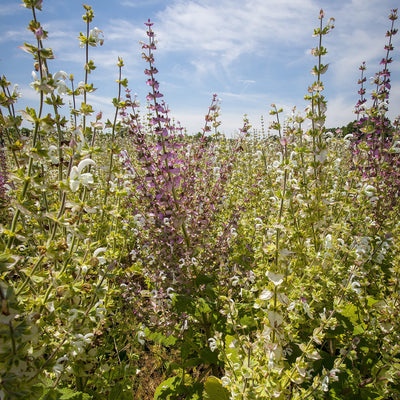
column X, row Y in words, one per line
column 375, row 140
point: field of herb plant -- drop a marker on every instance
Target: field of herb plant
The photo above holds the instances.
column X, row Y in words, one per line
column 139, row 262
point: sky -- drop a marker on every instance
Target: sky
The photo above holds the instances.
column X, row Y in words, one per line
column 251, row 53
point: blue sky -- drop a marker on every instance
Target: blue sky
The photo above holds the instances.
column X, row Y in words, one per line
column 250, row 52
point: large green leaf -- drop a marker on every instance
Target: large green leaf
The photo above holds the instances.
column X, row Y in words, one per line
column 213, row 389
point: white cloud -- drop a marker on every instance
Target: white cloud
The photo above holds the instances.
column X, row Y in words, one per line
column 340, row 112
column 119, row 29
column 394, row 101
column 228, row 29
column 10, row 9
column 15, row 36
column 139, row 4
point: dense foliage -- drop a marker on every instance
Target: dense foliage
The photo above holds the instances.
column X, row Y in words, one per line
column 139, row 262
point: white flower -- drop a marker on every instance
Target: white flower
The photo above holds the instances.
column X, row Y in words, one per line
column 235, row 280
column 77, row 177
column 81, row 342
column 356, row 287
column 139, row 220
column 41, row 84
column 369, row 190
column 15, row 91
column 332, row 374
column 225, row 381
column 53, row 154
column 59, row 78
column 47, row 85
column 81, row 87
column 80, row 138
column 100, row 310
column 396, row 147
column 113, row 186
column 212, row 343
column 140, row 337
column 232, row 345
column 185, row 325
column 96, row 37
column 96, row 253
column 325, row 383
column 328, row 241
column 97, row 125
column 59, row 367
column 287, row 352
column 322, row 155
column 258, row 221
column 363, row 247
column 170, row 292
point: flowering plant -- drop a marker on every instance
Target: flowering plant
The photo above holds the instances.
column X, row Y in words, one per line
column 137, row 261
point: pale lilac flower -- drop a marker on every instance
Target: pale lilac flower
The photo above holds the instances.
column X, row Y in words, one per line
column 39, row 33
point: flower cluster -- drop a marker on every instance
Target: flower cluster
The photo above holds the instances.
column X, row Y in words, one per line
column 374, row 142
column 3, row 175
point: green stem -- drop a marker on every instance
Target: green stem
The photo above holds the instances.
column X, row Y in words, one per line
column 33, row 270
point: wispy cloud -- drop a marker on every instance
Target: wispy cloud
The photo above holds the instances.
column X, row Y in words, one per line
column 228, row 29
column 10, row 9
column 139, row 4
column 14, row 35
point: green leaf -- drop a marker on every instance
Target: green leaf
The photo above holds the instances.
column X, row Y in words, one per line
column 116, row 392
column 208, row 356
column 64, row 394
column 203, row 279
column 230, row 349
column 213, row 389
column 6, row 261
column 184, row 304
column 159, row 338
column 202, row 307
column 69, row 394
column 167, row 388
column 50, row 394
column 46, row 53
